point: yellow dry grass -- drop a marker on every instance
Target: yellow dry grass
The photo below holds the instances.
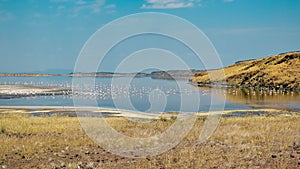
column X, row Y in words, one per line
column 279, row 71
column 249, row 142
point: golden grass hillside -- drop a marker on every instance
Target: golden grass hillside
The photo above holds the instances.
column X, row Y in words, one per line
column 275, row 72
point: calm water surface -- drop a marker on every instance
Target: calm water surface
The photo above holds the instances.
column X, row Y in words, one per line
column 146, row 94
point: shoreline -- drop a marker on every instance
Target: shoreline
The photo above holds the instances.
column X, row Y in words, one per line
column 226, row 86
column 47, row 111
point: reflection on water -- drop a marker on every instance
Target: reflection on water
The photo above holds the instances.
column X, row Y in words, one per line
column 145, row 92
column 260, row 98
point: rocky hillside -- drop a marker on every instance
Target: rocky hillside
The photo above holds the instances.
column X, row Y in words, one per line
column 276, row 72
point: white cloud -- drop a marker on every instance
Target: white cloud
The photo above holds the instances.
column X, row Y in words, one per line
column 37, row 15
column 61, row 7
column 5, row 16
column 246, row 30
column 110, row 6
column 94, row 7
column 228, row 0
column 58, row 1
column 82, row 5
column 169, row 4
column 81, row 2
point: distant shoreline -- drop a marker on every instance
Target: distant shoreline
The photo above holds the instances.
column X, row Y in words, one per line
column 28, row 74
column 165, row 75
column 227, row 86
column 71, row 74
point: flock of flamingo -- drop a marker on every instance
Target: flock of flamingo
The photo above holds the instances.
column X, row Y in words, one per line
column 111, row 91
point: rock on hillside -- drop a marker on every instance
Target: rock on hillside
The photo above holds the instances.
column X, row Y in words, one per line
column 276, row 72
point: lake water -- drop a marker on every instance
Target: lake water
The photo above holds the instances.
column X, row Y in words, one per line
column 148, row 95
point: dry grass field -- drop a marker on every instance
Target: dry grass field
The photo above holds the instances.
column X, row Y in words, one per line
column 239, row 142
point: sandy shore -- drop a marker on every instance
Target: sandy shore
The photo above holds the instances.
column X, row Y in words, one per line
column 73, row 111
column 110, row 112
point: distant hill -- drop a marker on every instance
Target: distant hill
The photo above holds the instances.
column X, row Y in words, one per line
column 52, row 71
column 276, row 72
column 173, row 74
column 109, row 74
column 166, row 75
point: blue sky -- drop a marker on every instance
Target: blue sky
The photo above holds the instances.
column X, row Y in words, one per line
column 39, row 35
